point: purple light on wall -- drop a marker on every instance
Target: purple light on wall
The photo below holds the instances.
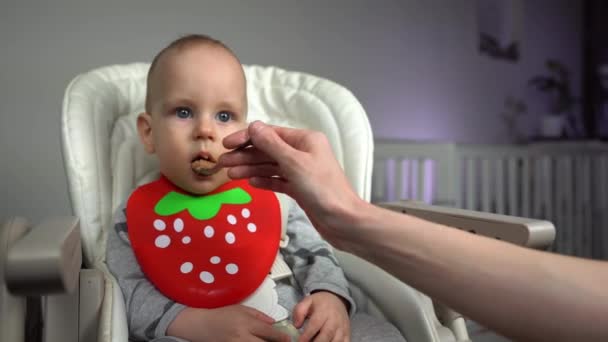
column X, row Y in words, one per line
column 430, row 180
column 390, row 180
column 416, row 180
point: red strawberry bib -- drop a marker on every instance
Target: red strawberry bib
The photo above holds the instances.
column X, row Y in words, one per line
column 204, row 251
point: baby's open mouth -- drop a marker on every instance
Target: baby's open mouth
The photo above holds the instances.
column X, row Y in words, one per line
column 204, row 165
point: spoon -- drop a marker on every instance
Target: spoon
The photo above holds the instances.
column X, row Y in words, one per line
column 209, row 171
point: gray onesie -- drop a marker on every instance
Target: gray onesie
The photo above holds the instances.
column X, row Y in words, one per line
column 310, row 258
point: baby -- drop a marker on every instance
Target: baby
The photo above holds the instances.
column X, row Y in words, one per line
column 196, row 95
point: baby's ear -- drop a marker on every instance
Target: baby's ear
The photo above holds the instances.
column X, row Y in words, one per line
column 144, row 128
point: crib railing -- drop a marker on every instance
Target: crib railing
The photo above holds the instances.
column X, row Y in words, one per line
column 566, row 183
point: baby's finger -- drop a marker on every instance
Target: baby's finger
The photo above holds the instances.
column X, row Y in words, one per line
column 313, row 327
column 326, row 332
column 301, row 311
column 339, row 336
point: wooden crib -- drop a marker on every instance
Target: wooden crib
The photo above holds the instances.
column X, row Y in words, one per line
column 563, row 182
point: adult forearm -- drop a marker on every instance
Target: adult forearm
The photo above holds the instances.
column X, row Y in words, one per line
column 522, row 293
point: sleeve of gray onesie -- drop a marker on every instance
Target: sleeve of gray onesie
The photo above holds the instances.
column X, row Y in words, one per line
column 311, row 259
column 149, row 313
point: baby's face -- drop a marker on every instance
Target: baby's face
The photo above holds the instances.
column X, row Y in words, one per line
column 198, row 98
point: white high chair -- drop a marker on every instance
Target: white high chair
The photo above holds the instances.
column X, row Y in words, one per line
column 104, row 162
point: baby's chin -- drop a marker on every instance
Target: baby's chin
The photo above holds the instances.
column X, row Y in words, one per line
column 202, row 185
column 199, row 190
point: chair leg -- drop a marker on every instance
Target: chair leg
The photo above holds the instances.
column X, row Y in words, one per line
column 61, row 317
column 33, row 319
column 91, row 287
column 74, row 317
column 12, row 308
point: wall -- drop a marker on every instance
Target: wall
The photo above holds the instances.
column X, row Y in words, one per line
column 413, row 65
column 596, row 66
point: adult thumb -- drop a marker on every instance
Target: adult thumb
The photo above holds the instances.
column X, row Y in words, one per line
column 266, row 139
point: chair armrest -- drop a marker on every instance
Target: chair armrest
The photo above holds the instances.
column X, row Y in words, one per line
column 409, row 310
column 518, row 230
column 46, row 259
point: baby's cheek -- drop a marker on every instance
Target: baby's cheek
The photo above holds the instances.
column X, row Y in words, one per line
column 238, row 126
column 222, row 176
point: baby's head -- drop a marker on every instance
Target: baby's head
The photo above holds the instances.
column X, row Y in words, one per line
column 196, row 95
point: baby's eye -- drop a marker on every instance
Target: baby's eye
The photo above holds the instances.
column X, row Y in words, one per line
column 183, row 112
column 223, row 116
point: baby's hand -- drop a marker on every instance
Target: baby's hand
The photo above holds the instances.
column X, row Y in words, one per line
column 327, row 318
column 230, row 323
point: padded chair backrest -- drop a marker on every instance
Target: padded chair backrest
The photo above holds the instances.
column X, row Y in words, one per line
column 104, row 160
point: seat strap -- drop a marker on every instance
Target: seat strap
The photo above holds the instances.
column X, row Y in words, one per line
column 279, row 269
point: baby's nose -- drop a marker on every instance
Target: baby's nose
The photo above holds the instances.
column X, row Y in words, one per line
column 205, row 130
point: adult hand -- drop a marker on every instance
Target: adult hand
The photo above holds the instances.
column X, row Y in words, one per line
column 299, row 163
column 521, row 293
